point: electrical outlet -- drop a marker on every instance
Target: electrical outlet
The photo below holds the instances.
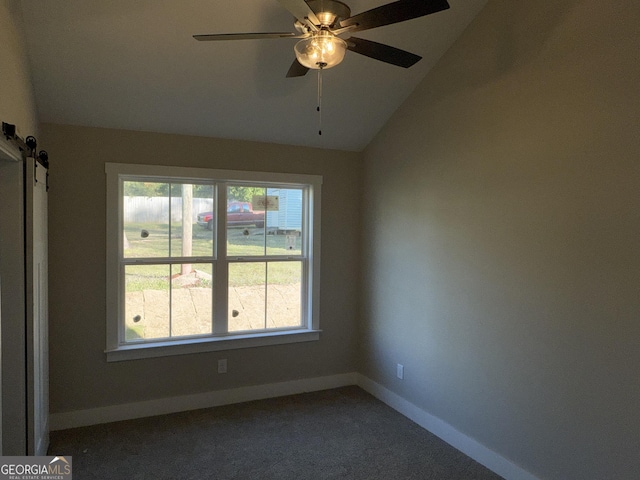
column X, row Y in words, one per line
column 400, row 371
column 222, row 365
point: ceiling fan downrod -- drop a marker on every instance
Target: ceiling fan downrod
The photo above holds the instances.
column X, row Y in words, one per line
column 319, row 107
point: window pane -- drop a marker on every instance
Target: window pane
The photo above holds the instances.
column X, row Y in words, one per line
column 247, row 296
column 194, row 203
column 284, row 221
column 284, row 294
column 265, row 295
column 245, row 222
column 155, row 309
column 146, row 219
column 191, row 297
column 146, row 302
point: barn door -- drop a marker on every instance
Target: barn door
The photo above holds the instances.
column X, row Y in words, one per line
column 37, row 308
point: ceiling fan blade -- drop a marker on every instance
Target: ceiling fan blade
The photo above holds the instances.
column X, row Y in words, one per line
column 297, row 69
column 393, row 13
column 245, row 36
column 384, row 53
column 300, row 10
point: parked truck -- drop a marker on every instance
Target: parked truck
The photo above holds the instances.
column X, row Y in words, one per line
column 238, row 214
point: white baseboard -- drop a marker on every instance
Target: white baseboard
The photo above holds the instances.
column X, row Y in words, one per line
column 115, row 413
column 460, row 441
column 446, row 432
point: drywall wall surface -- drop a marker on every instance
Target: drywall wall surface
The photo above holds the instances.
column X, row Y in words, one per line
column 80, row 376
column 17, row 103
column 502, row 247
column 16, row 107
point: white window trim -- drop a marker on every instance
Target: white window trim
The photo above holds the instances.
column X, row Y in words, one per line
column 115, row 351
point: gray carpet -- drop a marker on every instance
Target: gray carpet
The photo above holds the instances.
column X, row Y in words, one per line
column 334, row 434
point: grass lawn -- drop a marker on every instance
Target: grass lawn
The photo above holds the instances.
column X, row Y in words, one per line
column 146, row 240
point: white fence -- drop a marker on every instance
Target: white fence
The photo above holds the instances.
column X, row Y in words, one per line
column 156, row 209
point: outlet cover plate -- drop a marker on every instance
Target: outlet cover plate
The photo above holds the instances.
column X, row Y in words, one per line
column 222, row 365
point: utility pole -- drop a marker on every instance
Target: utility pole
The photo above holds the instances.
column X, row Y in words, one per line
column 187, row 226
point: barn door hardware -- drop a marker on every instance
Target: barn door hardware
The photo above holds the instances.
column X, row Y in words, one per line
column 43, row 159
column 28, row 148
column 9, row 132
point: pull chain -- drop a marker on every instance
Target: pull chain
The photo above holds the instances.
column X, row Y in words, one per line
column 319, row 108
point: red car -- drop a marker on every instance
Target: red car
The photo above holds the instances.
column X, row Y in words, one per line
column 238, row 213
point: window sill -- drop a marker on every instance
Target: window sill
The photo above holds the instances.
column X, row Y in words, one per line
column 209, row 344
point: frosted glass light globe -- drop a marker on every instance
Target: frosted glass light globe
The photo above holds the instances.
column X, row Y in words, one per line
column 321, row 50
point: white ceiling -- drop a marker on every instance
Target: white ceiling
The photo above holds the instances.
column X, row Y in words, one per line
column 134, row 65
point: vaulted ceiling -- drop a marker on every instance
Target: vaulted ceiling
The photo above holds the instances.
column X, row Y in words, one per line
column 134, row 65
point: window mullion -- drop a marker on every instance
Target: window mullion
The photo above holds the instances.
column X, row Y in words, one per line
column 121, row 268
column 269, row 258
column 221, row 281
column 170, row 265
column 266, row 292
column 165, row 260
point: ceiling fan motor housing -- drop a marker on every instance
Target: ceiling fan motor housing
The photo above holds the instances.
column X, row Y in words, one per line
column 329, row 12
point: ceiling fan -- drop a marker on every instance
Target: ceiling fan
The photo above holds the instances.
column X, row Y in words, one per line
column 320, row 24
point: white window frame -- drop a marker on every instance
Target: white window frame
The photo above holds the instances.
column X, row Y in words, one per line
column 118, row 350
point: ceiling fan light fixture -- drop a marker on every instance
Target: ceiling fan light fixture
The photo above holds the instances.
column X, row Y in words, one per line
column 321, row 50
column 326, row 18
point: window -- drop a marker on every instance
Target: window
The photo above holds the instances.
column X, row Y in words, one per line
column 202, row 260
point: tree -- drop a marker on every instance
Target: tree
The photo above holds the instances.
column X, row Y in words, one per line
column 158, row 189
column 144, row 189
column 203, row 191
column 244, row 194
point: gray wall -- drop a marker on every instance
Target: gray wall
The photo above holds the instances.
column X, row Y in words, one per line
column 17, row 103
column 16, row 107
column 80, row 376
column 502, row 229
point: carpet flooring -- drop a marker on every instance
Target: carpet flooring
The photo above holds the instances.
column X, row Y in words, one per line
column 343, row 433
